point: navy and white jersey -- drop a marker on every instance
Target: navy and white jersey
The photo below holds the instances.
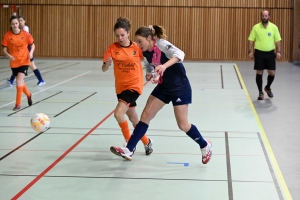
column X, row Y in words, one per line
column 174, row 79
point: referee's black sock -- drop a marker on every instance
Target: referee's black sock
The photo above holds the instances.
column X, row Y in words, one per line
column 270, row 81
column 259, row 82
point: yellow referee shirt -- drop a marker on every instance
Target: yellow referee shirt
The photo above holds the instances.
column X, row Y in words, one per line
column 264, row 38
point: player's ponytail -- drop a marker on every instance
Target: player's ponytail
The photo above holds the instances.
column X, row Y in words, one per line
column 159, row 32
column 153, row 31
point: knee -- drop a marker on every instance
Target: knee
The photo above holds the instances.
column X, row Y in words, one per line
column 184, row 126
column 272, row 73
column 146, row 116
column 259, row 72
column 118, row 115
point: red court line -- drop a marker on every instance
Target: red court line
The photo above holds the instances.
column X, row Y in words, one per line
column 59, row 159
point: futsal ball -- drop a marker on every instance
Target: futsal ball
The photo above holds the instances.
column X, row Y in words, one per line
column 40, row 122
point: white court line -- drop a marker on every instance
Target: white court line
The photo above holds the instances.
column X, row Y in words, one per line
column 48, row 88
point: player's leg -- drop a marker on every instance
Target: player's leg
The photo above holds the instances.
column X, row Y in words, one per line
column 10, row 81
column 180, row 105
column 133, row 117
column 37, row 73
column 259, row 66
column 20, row 73
column 271, row 65
column 153, row 105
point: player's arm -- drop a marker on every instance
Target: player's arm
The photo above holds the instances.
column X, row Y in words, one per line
column 278, row 47
column 31, row 50
column 4, row 49
column 250, row 47
column 106, row 64
column 173, row 53
column 107, row 60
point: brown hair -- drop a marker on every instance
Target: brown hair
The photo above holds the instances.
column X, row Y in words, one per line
column 155, row 30
column 123, row 22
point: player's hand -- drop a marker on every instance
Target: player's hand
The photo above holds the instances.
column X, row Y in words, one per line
column 278, row 55
column 159, row 69
column 10, row 57
column 108, row 61
column 148, row 77
column 250, row 55
column 155, row 79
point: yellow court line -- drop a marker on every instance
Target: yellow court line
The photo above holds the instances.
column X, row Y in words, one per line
column 266, row 141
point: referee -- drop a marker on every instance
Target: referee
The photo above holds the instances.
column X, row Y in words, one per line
column 264, row 35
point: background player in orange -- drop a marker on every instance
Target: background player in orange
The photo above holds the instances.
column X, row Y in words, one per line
column 32, row 65
column 129, row 78
column 15, row 42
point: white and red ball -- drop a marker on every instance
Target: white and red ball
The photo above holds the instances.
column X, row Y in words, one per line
column 40, row 122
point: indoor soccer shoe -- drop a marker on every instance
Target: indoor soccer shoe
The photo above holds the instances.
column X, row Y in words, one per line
column 269, row 92
column 9, row 83
column 29, row 100
column 261, row 96
column 148, row 147
column 206, row 152
column 40, row 83
column 17, row 108
column 122, row 151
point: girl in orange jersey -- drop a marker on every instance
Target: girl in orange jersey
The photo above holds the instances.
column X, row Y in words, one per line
column 32, row 65
column 15, row 42
column 129, row 78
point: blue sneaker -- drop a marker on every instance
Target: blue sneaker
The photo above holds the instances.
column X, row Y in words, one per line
column 9, row 83
column 40, row 83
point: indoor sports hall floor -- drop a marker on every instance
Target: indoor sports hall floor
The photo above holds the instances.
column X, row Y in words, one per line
column 254, row 149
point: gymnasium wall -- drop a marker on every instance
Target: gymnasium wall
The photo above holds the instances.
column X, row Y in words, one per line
column 204, row 30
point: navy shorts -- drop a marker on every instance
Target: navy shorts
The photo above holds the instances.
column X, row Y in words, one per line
column 264, row 60
column 21, row 69
column 177, row 100
column 129, row 97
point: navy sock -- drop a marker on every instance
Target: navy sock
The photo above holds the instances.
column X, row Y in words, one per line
column 270, row 81
column 12, row 78
column 259, row 82
column 38, row 74
column 196, row 136
column 139, row 131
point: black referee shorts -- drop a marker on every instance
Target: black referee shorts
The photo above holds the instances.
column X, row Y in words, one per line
column 264, row 60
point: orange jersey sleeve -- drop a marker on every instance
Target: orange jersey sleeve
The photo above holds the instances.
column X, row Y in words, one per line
column 17, row 47
column 128, row 69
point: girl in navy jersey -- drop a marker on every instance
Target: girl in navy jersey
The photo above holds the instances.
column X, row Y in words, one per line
column 164, row 66
column 32, row 65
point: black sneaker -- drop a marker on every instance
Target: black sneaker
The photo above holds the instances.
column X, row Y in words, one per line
column 29, row 100
column 261, row 96
column 17, row 108
column 269, row 92
column 148, row 147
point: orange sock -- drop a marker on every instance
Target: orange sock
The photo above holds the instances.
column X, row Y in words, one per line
column 125, row 130
column 144, row 139
column 26, row 91
column 19, row 95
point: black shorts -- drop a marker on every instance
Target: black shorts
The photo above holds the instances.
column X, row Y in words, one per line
column 177, row 100
column 21, row 69
column 264, row 60
column 129, row 97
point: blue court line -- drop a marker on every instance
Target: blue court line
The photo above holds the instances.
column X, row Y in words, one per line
column 184, row 163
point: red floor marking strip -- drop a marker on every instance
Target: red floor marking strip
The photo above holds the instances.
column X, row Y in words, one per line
column 58, row 160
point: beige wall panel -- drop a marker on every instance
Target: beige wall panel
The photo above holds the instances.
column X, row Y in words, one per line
column 203, row 33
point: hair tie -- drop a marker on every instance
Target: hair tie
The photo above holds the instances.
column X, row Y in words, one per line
column 151, row 27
